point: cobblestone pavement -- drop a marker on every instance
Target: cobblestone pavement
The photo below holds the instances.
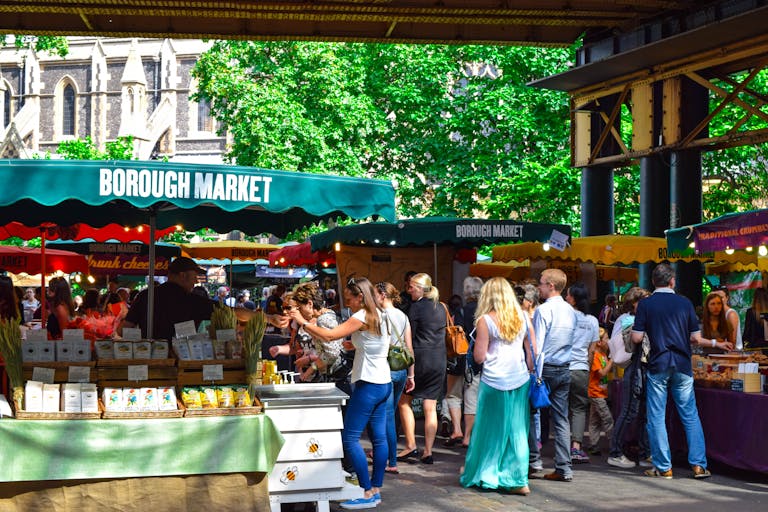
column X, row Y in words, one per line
column 596, row 486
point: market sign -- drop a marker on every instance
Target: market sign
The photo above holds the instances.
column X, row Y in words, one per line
column 730, row 231
column 124, row 264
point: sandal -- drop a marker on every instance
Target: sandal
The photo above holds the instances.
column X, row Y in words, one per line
column 391, row 470
column 520, row 491
column 453, row 441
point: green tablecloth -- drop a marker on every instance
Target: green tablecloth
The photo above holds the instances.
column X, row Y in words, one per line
column 85, row 449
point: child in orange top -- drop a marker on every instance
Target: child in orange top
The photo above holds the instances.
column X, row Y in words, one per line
column 599, row 414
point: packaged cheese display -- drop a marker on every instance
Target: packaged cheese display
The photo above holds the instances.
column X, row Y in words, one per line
column 33, row 396
column 71, row 397
column 89, row 398
column 142, row 349
column 209, row 398
column 225, row 396
column 113, row 399
column 167, row 399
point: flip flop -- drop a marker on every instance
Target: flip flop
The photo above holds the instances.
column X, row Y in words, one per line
column 393, row 471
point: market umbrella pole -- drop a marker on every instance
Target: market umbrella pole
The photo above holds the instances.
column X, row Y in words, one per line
column 151, row 290
column 42, row 278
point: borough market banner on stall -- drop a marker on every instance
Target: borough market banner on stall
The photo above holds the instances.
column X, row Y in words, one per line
column 194, row 196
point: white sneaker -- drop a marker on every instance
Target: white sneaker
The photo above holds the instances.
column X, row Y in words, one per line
column 621, row 462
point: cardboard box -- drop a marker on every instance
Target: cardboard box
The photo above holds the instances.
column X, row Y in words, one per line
column 167, row 399
column 132, row 400
column 149, row 399
column 46, row 351
column 104, row 349
column 123, row 349
column 746, row 382
column 142, row 349
column 81, row 351
column 30, row 351
column 33, row 396
column 159, row 350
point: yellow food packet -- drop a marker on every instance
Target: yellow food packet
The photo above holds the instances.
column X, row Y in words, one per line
column 209, row 398
column 226, row 397
column 243, row 397
column 191, row 398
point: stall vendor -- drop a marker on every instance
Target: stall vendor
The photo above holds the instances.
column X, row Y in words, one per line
column 174, row 302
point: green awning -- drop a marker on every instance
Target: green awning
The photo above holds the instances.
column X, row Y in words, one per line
column 437, row 230
column 194, row 196
column 730, row 231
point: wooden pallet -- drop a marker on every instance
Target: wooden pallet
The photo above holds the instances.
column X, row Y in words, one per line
column 191, row 372
column 113, row 373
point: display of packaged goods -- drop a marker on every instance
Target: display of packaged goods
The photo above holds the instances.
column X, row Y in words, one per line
column 149, row 400
column 181, row 348
column 159, row 350
column 235, row 349
column 225, row 396
column 195, row 349
column 132, row 399
column 167, row 399
column 242, row 397
column 191, row 398
column 51, row 397
column 89, row 398
column 209, row 397
column 81, row 351
column 104, row 349
column 113, row 399
column 46, row 351
column 30, row 351
column 208, row 349
column 64, row 350
column 33, row 396
column 123, row 350
column 142, row 349
column 71, row 397
column 219, row 349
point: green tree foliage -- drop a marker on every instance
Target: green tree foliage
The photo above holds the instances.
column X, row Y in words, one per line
column 456, row 128
column 85, row 149
column 55, row 45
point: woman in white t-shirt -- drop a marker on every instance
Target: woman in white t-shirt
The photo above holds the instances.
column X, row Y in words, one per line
column 497, row 457
column 372, row 385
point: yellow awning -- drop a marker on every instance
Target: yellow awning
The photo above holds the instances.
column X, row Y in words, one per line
column 519, row 271
column 229, row 249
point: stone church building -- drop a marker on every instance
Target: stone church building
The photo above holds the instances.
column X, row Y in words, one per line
column 106, row 88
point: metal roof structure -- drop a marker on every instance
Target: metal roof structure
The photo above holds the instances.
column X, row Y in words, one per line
column 517, row 22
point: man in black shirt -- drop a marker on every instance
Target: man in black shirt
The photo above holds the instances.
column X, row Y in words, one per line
column 174, row 302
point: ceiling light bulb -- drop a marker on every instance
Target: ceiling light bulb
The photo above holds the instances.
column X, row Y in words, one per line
column 337, row 246
column 545, row 246
column 749, row 249
column 729, row 251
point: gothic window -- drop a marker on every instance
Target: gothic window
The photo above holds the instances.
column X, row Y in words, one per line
column 68, row 110
column 204, row 119
column 6, row 106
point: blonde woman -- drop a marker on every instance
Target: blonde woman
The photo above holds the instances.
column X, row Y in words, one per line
column 428, row 319
column 497, row 457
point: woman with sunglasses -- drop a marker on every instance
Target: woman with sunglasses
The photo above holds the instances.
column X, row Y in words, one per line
column 372, row 384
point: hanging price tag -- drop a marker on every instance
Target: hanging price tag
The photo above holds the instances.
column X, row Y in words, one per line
column 213, row 372
column 137, row 372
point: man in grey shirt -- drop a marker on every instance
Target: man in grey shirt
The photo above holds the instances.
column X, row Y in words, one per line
column 554, row 323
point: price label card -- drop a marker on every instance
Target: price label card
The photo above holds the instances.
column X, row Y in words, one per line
column 185, row 329
column 131, row 333
column 558, row 240
column 79, row 374
column 137, row 372
column 44, row 375
column 213, row 372
column 37, row 335
column 225, row 335
column 72, row 334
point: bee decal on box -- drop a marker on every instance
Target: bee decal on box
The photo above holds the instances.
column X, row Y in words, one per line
column 314, row 448
column 289, row 475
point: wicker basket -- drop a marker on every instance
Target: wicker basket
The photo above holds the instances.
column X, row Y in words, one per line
column 231, row 411
column 24, row 415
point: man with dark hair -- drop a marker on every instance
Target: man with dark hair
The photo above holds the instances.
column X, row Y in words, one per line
column 671, row 324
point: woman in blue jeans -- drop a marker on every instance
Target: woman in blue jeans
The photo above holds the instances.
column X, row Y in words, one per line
column 400, row 333
column 372, row 385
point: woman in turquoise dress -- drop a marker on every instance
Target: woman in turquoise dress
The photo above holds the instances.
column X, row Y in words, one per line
column 497, row 457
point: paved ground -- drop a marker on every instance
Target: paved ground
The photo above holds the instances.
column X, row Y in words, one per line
column 596, row 486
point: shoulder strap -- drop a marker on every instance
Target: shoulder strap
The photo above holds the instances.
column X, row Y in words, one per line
column 448, row 319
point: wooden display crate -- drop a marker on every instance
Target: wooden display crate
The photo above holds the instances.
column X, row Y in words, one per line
column 138, row 415
column 191, row 372
column 113, row 373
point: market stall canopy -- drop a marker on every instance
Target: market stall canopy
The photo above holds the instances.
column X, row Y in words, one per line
column 229, row 250
column 81, row 231
column 519, row 271
column 29, row 259
column 600, row 249
column 113, row 247
column 727, row 232
column 300, row 255
column 436, row 230
column 194, row 196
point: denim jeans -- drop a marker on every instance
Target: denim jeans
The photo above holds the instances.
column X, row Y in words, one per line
column 632, row 408
column 680, row 386
column 578, row 399
column 398, row 385
column 368, row 404
column 558, row 378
